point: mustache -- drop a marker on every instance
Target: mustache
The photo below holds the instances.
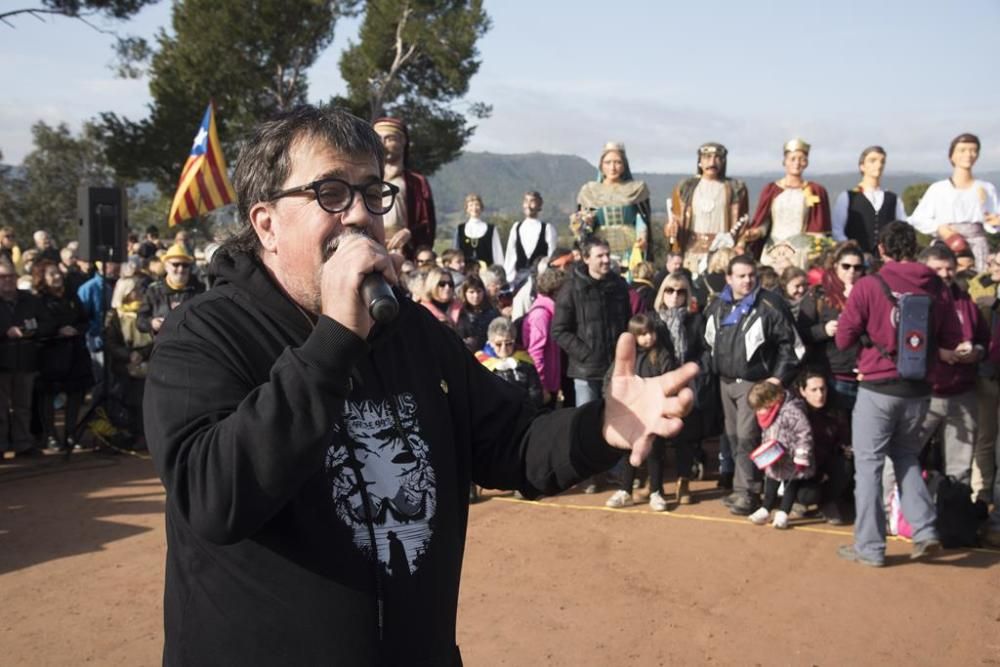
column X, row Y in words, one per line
column 334, row 243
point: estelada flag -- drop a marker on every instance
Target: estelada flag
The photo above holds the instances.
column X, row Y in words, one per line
column 204, row 183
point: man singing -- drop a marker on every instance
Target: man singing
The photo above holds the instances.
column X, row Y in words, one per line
column 317, row 463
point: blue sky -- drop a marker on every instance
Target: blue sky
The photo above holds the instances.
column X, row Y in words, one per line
column 566, row 76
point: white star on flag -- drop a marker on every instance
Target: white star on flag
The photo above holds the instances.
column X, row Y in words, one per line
column 200, row 138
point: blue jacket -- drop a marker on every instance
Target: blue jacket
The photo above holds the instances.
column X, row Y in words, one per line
column 95, row 303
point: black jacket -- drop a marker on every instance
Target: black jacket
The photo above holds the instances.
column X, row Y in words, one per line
column 314, row 478
column 64, row 363
column 814, row 314
column 26, row 311
column 160, row 299
column 590, row 315
column 767, row 330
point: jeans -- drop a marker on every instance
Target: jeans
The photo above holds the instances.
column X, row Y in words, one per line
column 587, row 391
column 743, row 434
column 888, row 426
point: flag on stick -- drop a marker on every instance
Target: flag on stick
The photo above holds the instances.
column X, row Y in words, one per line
column 204, row 184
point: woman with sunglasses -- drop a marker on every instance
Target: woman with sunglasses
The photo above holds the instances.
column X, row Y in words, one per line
column 439, row 296
column 475, row 314
column 685, row 332
column 819, row 312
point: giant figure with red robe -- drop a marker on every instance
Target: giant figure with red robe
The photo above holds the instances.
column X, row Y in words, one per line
column 411, row 222
column 789, row 211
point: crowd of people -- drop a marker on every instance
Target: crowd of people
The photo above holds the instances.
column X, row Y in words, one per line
column 774, row 307
column 764, row 304
column 73, row 326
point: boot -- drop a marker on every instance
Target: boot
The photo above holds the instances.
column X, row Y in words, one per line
column 725, row 481
column 683, row 491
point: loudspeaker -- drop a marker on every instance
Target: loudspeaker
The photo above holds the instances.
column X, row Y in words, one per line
column 103, row 223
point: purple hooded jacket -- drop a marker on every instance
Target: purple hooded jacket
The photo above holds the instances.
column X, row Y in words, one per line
column 869, row 311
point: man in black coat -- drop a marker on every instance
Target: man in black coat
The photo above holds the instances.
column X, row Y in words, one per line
column 317, row 463
column 22, row 321
column 750, row 337
column 592, row 310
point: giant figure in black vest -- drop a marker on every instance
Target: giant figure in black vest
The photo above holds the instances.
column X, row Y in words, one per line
column 860, row 213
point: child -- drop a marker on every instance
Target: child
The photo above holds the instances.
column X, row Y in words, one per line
column 653, row 358
column 786, row 452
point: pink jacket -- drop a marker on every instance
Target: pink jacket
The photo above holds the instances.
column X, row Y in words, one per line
column 536, row 333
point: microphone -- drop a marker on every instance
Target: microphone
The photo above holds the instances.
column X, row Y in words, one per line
column 377, row 294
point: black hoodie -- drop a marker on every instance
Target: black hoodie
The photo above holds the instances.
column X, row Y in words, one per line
column 293, row 451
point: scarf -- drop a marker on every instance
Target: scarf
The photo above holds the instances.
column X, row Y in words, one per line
column 766, row 419
column 674, row 319
column 624, row 193
column 741, row 308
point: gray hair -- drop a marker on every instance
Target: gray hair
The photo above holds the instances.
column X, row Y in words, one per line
column 501, row 327
column 264, row 160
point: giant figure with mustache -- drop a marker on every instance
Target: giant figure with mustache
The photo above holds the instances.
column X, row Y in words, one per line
column 317, row 463
column 704, row 206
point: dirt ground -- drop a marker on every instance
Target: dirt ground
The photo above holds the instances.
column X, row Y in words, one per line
column 560, row 582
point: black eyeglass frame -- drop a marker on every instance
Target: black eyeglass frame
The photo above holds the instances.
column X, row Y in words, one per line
column 354, row 189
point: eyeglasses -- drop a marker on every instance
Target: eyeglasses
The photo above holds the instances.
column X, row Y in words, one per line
column 179, row 265
column 680, row 291
column 852, row 267
column 334, row 195
column 446, row 283
column 502, row 343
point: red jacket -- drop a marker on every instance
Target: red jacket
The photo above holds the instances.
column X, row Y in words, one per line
column 421, row 220
column 948, row 379
column 869, row 311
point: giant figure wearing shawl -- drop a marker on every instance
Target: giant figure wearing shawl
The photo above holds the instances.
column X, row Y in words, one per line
column 789, row 212
column 616, row 207
column 411, row 222
column 704, row 206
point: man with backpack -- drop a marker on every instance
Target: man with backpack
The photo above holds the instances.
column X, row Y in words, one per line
column 905, row 319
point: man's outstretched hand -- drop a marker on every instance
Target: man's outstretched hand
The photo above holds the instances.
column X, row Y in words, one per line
column 637, row 410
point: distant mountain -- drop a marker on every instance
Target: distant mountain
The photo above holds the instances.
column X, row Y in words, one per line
column 501, row 181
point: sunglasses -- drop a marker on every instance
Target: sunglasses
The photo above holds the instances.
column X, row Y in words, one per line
column 446, row 283
column 503, row 343
column 179, row 265
column 852, row 267
column 680, row 291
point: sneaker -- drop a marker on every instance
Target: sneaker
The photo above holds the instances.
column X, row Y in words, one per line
column 636, row 483
column 759, row 517
column 925, row 549
column 798, row 511
column 590, row 489
column 847, row 552
column 657, row 502
column 683, row 492
column 619, row 498
column 780, row 520
column 52, row 443
column 744, row 505
column 473, row 493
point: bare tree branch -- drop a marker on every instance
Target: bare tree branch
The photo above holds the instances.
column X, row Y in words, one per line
column 53, row 12
column 403, row 55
